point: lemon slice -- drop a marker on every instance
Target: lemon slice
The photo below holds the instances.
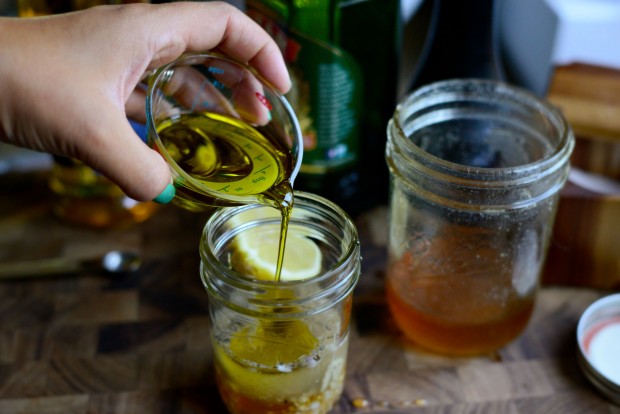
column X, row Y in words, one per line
column 255, row 252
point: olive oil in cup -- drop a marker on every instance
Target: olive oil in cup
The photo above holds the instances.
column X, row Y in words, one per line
column 227, row 135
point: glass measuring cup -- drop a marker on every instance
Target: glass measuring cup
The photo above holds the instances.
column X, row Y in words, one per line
column 228, row 136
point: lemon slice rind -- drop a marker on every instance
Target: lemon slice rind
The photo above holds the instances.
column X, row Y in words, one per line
column 256, row 249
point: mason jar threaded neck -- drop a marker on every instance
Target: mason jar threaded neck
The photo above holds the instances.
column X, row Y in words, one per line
column 287, row 299
column 491, row 146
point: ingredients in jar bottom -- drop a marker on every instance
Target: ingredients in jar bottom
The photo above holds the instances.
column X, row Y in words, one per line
column 449, row 314
column 279, row 368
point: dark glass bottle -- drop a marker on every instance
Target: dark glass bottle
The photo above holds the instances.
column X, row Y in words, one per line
column 463, row 42
column 343, row 58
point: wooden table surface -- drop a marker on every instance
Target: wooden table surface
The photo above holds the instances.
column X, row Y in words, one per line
column 139, row 343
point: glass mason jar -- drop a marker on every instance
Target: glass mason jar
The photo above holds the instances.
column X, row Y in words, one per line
column 280, row 347
column 476, row 167
column 84, row 197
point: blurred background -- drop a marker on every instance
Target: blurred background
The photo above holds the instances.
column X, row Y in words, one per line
column 562, row 50
column 535, row 40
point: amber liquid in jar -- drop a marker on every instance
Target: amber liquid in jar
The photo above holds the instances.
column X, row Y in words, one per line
column 474, row 309
column 86, row 198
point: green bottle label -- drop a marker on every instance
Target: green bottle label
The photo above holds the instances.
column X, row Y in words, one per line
column 326, row 96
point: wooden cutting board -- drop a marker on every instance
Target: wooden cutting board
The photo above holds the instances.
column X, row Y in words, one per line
column 140, row 344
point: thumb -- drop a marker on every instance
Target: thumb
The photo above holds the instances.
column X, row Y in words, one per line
column 117, row 152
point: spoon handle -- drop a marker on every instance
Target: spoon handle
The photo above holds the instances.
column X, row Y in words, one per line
column 38, row 268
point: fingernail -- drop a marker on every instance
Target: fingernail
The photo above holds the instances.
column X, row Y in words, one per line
column 167, row 195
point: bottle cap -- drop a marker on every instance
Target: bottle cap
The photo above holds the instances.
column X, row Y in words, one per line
column 598, row 337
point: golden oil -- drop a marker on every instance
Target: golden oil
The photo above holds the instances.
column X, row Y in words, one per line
column 86, row 198
column 229, row 156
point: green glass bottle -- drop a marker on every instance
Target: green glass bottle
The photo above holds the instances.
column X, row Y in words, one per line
column 343, row 57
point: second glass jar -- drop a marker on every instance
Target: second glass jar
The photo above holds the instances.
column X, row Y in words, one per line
column 476, row 168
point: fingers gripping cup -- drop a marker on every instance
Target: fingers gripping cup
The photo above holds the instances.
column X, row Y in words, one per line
column 228, row 136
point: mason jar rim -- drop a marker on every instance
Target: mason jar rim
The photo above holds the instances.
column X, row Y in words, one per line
column 338, row 286
column 445, row 92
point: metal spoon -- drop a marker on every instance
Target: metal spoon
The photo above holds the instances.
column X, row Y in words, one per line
column 113, row 262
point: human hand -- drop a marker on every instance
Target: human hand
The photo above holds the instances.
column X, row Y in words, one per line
column 69, row 81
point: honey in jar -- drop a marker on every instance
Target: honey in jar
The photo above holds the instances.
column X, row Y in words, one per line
column 475, row 172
